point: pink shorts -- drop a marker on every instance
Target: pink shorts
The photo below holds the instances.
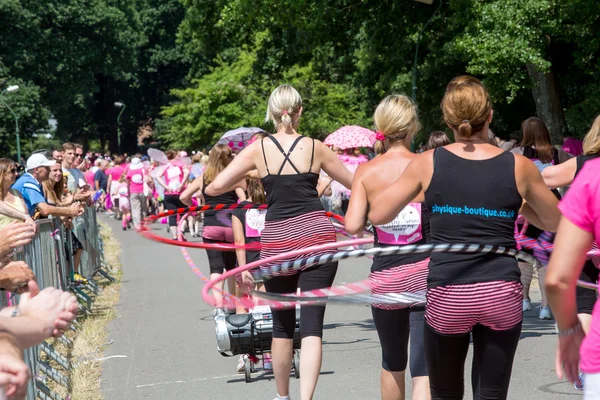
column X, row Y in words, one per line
column 219, row 233
column 124, row 204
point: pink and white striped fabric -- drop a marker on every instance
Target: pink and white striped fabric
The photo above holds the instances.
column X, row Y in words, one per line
column 456, row 309
column 295, row 233
column 410, row 278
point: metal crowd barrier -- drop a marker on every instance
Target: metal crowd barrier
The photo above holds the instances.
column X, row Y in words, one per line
column 50, row 256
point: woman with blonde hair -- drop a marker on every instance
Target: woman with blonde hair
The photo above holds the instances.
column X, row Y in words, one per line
column 217, row 225
column 397, row 122
column 471, row 294
column 12, row 198
column 563, row 175
column 57, row 194
column 288, row 165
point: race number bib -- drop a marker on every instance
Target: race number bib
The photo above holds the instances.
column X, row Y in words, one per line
column 406, row 228
column 137, row 179
column 255, row 222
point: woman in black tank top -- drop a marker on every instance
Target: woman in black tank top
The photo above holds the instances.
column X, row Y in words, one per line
column 217, row 224
column 474, row 192
column 289, row 166
column 397, row 122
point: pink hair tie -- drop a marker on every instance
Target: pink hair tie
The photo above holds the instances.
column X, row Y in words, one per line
column 379, row 136
column 284, row 112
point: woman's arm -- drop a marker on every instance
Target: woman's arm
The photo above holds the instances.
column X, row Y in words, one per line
column 356, row 216
column 568, row 257
column 190, row 190
column 386, row 205
column 332, row 165
column 560, row 175
column 236, row 171
column 241, row 193
column 542, row 205
column 323, row 187
column 239, row 238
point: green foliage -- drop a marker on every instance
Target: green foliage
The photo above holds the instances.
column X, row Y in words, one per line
column 194, row 69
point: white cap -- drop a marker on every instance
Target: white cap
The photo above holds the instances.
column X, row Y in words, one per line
column 136, row 163
column 38, row 160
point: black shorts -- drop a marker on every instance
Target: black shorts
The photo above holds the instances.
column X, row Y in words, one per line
column 586, row 298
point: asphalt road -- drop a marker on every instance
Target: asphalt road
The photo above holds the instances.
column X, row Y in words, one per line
column 164, row 339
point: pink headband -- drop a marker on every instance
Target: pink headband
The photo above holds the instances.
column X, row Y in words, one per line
column 379, row 136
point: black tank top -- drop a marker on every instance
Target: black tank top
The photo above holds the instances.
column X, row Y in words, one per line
column 411, row 226
column 218, row 218
column 290, row 195
column 477, row 202
column 582, row 160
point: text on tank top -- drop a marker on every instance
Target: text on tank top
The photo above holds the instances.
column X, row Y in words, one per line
column 411, row 226
column 290, row 195
column 472, row 202
column 254, row 222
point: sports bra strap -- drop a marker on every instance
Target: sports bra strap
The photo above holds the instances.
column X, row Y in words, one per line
column 286, row 156
column 264, row 155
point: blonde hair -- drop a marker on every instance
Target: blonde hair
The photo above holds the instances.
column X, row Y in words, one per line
column 218, row 158
column 591, row 141
column 284, row 104
column 395, row 118
column 5, row 166
column 204, row 159
column 466, row 105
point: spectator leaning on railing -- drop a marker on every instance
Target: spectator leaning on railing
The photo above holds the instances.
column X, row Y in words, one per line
column 29, row 185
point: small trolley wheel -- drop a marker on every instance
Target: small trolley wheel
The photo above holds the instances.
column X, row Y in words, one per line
column 248, row 369
column 296, row 365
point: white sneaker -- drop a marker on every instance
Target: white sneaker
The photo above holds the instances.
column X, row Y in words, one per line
column 241, row 364
column 526, row 305
column 545, row 313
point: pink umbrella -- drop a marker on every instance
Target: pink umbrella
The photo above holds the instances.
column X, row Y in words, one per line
column 351, row 136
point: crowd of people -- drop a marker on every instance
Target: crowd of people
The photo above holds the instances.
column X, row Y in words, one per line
column 398, row 194
column 404, row 195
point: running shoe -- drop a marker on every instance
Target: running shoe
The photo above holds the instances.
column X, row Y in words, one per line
column 526, row 305
column 241, row 366
column 80, row 279
column 545, row 313
column 267, row 363
column 218, row 312
column 577, row 386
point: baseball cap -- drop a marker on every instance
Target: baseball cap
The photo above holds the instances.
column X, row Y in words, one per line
column 38, row 160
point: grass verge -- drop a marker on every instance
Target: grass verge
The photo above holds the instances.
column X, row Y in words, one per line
column 91, row 338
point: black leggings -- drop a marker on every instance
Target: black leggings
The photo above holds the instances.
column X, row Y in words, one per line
column 311, row 317
column 219, row 260
column 393, row 327
column 172, row 202
column 493, row 355
column 586, row 298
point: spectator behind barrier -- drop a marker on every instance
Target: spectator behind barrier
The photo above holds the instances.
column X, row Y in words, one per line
column 29, row 185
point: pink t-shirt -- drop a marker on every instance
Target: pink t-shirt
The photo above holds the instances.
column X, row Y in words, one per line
column 89, row 177
column 115, row 172
column 136, row 180
column 581, row 206
column 573, row 146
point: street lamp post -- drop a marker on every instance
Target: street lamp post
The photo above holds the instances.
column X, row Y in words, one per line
column 414, row 72
column 10, row 89
column 122, row 106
